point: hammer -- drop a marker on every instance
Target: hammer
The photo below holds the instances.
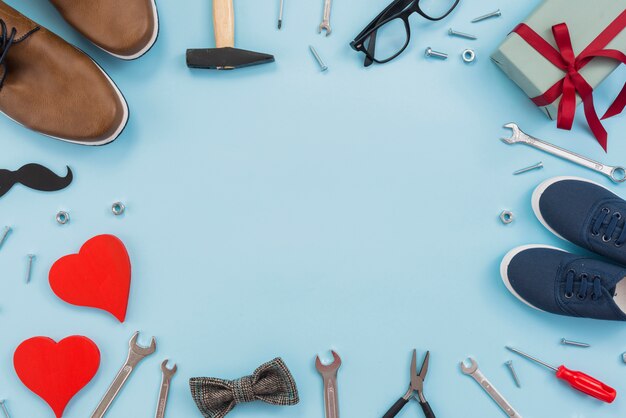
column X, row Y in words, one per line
column 225, row 56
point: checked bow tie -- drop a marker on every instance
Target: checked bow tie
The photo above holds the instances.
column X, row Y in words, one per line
column 271, row 383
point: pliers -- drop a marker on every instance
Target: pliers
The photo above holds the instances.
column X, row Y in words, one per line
column 416, row 388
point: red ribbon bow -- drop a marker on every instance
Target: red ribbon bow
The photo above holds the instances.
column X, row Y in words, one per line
column 573, row 82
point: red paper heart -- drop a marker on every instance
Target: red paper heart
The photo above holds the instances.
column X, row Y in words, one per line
column 56, row 371
column 97, row 277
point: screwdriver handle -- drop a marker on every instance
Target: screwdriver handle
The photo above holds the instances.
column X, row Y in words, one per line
column 587, row 384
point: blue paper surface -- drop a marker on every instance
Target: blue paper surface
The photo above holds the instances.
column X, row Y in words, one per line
column 280, row 211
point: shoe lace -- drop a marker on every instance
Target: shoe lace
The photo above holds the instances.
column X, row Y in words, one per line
column 7, row 39
column 610, row 226
column 586, row 285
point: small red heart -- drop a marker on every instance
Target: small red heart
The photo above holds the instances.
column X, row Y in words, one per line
column 56, row 371
column 97, row 277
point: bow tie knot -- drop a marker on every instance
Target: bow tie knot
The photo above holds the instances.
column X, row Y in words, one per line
column 243, row 390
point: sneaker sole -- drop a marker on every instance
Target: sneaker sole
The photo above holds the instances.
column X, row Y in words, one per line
column 108, row 140
column 150, row 44
column 542, row 188
column 504, row 268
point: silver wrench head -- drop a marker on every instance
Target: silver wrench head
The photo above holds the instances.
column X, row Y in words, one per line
column 139, row 350
column 473, row 366
column 330, row 368
column 515, row 136
column 325, row 26
column 168, row 373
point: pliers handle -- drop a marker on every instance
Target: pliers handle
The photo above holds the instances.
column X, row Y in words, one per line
column 397, row 407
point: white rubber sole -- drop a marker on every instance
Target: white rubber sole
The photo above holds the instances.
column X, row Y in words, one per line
column 504, row 269
column 153, row 38
column 105, row 141
column 542, row 188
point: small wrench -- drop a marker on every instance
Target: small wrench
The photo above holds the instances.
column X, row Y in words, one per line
column 473, row 371
column 329, row 374
column 326, row 21
column 165, row 388
column 617, row 174
column 136, row 353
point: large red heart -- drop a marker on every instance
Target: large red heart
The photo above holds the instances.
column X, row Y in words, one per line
column 56, row 371
column 97, row 277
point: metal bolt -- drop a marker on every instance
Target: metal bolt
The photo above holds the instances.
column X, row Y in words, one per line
column 452, row 32
column 318, row 58
column 29, row 267
column 509, row 364
column 574, row 343
column 7, row 229
column 431, row 53
column 4, row 408
column 537, row 166
column 497, row 13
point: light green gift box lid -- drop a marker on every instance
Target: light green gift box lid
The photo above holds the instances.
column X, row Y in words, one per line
column 585, row 19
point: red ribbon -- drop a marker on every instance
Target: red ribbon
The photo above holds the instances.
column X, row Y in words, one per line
column 573, row 82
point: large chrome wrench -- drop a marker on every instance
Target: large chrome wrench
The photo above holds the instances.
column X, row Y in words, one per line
column 329, row 374
column 165, row 388
column 473, row 371
column 617, row 174
column 326, row 20
column 136, row 353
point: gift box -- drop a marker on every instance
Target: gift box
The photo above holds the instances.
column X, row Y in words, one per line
column 563, row 51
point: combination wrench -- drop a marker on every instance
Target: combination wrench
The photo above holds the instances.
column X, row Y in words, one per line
column 136, row 353
column 474, row 372
column 326, row 20
column 616, row 174
column 165, row 388
column 329, row 374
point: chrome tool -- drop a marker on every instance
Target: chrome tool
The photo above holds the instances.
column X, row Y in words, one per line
column 416, row 389
column 325, row 25
column 165, row 388
column 329, row 374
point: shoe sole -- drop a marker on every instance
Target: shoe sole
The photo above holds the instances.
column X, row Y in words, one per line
column 106, row 141
column 504, row 269
column 542, row 188
column 153, row 39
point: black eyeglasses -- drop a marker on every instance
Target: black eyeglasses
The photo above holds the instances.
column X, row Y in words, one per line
column 388, row 35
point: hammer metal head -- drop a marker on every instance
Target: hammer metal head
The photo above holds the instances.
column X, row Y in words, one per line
column 225, row 58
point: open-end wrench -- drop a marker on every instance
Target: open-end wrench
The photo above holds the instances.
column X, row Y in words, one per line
column 165, row 388
column 326, row 20
column 329, row 374
column 473, row 371
column 617, row 174
column 136, row 353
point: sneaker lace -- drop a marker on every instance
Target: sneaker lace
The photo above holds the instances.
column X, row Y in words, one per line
column 586, row 285
column 610, row 226
column 7, row 39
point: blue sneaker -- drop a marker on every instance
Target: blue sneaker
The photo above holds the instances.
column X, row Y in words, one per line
column 556, row 281
column 584, row 213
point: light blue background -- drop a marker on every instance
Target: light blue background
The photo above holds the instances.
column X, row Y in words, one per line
column 278, row 211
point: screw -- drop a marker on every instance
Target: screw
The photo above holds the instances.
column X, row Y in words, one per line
column 318, row 58
column 509, row 364
column 7, row 229
column 537, row 166
column 452, row 32
column 4, row 408
column 431, row 53
column 497, row 13
column 574, row 343
column 31, row 257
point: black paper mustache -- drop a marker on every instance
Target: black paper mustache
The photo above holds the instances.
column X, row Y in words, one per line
column 36, row 177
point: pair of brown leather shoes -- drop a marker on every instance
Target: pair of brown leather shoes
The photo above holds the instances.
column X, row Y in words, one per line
column 53, row 88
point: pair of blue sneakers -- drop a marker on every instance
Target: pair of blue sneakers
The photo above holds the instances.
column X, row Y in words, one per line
column 553, row 280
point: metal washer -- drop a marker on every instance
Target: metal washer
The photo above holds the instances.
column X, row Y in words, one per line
column 468, row 55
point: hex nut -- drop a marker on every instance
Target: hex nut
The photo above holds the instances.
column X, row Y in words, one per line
column 63, row 217
column 507, row 217
column 468, row 55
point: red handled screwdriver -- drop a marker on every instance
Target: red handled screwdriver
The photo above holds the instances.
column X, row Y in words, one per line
column 578, row 380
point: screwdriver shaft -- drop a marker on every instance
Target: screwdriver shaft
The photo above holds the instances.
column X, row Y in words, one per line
column 529, row 357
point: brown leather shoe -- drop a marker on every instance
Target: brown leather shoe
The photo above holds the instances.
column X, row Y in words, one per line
column 53, row 88
column 126, row 29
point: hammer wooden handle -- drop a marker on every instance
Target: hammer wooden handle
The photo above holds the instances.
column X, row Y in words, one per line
column 224, row 23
